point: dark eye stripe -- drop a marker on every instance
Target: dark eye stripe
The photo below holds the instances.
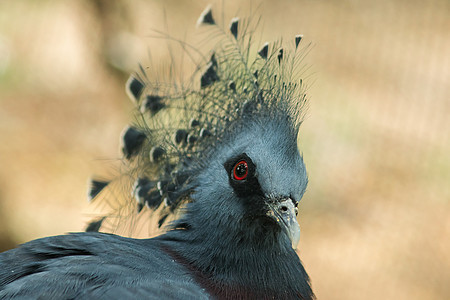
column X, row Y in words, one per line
column 242, row 176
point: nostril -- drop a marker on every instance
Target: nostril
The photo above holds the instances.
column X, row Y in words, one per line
column 284, row 208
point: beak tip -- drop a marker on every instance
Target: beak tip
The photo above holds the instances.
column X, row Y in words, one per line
column 285, row 213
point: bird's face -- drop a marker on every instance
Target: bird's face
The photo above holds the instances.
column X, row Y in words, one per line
column 257, row 179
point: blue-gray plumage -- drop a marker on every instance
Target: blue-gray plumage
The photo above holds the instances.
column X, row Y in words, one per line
column 229, row 163
column 93, row 265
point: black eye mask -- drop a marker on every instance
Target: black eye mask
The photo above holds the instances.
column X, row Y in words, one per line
column 241, row 171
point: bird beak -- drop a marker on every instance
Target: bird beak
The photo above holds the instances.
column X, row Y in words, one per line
column 284, row 212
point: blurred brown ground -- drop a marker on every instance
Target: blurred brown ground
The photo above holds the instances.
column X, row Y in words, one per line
column 376, row 217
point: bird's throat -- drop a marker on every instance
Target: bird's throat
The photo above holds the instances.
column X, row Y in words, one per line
column 229, row 267
column 216, row 279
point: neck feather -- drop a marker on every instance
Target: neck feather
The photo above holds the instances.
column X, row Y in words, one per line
column 239, row 261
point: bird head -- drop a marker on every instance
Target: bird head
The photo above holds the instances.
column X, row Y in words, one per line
column 216, row 158
column 255, row 178
column 222, row 146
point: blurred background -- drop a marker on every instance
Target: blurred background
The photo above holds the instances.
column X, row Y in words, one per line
column 376, row 140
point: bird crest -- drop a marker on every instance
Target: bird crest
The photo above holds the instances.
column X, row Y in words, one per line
column 177, row 125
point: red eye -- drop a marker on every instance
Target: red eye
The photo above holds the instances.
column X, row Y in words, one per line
column 240, row 170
